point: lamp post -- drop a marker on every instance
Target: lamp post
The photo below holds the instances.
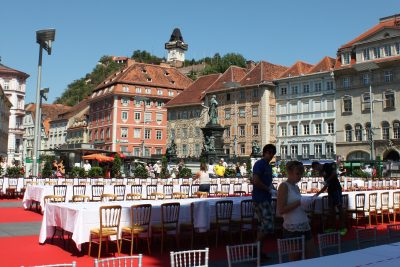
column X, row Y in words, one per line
column 369, row 66
column 44, row 38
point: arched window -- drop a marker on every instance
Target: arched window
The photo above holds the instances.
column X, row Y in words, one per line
column 368, row 131
column 385, row 130
column 358, row 155
column 349, row 133
column 396, row 129
column 358, row 132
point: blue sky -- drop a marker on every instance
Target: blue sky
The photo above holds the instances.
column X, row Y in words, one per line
column 280, row 32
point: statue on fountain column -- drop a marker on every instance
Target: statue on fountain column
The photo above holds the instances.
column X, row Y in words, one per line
column 212, row 111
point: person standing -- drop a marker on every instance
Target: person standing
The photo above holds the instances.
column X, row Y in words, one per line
column 87, row 166
column 329, row 172
column 219, row 169
column 262, row 181
column 204, row 178
column 295, row 220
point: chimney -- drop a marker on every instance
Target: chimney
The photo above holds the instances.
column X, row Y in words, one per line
column 250, row 64
column 130, row 62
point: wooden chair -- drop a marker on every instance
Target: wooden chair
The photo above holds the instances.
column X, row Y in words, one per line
column 359, row 210
column 303, row 188
column 393, row 232
column 110, row 218
column 247, row 220
column 250, row 188
column 60, row 190
column 119, row 191
column 325, row 213
column 97, row 191
column 385, row 206
column 372, row 210
column 136, row 192
column 80, row 198
column 169, row 223
column 291, row 247
column 140, row 224
column 130, row 181
column 213, row 189
column 396, row 205
column 126, row 261
column 11, row 190
column 185, row 191
column 189, row 258
column 366, row 236
column 329, row 241
column 168, row 190
column 224, row 192
column 223, row 217
column 55, row 199
column 194, row 189
column 108, row 197
column 79, row 190
column 152, row 192
column 240, row 254
column 237, row 190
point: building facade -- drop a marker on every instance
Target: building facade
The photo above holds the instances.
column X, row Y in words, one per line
column 126, row 111
column 5, row 106
column 13, row 83
column 305, row 112
column 368, row 125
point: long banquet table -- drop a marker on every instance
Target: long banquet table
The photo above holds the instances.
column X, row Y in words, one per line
column 79, row 218
column 384, row 255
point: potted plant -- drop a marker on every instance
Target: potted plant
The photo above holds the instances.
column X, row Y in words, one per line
column 164, row 168
column 77, row 172
column 116, row 167
column 141, row 172
column 185, row 173
column 230, row 173
column 14, row 172
column 96, row 172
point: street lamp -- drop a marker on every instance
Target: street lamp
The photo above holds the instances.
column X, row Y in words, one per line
column 369, row 66
column 44, row 38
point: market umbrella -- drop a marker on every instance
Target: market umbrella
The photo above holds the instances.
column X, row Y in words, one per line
column 98, row 157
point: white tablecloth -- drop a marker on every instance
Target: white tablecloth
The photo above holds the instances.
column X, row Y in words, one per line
column 385, row 255
column 79, row 218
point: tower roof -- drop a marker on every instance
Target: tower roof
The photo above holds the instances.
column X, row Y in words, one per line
column 176, row 41
column 176, row 35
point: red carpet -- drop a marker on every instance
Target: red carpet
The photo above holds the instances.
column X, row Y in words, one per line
column 19, row 215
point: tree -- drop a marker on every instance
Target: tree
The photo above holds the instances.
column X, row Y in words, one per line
column 116, row 168
column 164, row 167
column 192, row 75
column 145, row 57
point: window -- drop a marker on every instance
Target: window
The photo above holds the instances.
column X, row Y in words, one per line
column 147, row 152
column 293, row 107
column 306, row 88
column 254, row 111
column 388, row 76
column 158, row 134
column 242, row 130
column 6, row 85
column 123, row 149
column 242, row 149
column 159, row 92
column 124, row 133
column 294, row 130
column 101, row 134
column 137, row 116
column 138, row 103
column 148, row 90
column 137, row 133
column 124, row 115
column 330, row 152
column 284, row 152
column 295, row 89
column 329, row 105
column 197, row 150
column 358, row 132
column 184, row 133
column 293, row 151
column 138, row 90
column 158, row 151
column 227, row 114
column 331, row 128
column 283, row 90
column 147, row 117
column 346, row 58
column 349, row 133
column 306, row 107
column 228, row 97
column 255, row 92
column 366, row 102
column 125, row 101
column 228, row 132
column 388, row 50
column 366, row 55
column 283, row 130
column 318, row 150
column 347, row 105
column 148, row 103
column 305, row 151
column 242, row 112
column 385, row 130
column 317, row 105
column 272, row 129
column 147, row 133
column 368, row 131
column 107, row 133
column 329, row 85
column 136, row 151
column 318, row 87
column 255, row 129
column 159, row 117
column 125, row 89
column 242, row 94
column 160, row 103
column 170, row 93
column 396, row 129
column 366, row 78
column 389, row 100
column 318, row 128
column 197, row 132
column 306, row 129
column 377, row 52
column 272, row 110
column 346, row 82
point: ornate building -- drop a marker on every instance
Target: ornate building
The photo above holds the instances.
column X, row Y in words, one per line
column 369, row 62
column 13, row 83
column 5, row 106
column 305, row 112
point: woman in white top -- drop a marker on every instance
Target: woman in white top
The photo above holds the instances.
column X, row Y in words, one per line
column 204, row 178
column 295, row 220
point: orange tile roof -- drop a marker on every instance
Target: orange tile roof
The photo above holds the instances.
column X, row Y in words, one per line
column 325, row 64
column 75, row 110
column 263, row 71
column 232, row 74
column 195, row 92
column 148, row 75
column 296, row 69
column 49, row 112
column 7, row 70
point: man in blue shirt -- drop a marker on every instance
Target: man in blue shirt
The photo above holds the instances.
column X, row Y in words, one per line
column 262, row 181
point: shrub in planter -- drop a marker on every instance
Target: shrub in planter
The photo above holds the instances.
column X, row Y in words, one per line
column 359, row 173
column 77, row 172
column 116, row 167
column 185, row 173
column 229, row 172
column 164, row 168
column 14, row 172
column 96, row 172
column 141, row 172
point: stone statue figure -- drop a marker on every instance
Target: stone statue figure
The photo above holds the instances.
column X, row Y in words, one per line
column 171, row 149
column 255, row 150
column 212, row 111
column 206, row 143
column 212, row 143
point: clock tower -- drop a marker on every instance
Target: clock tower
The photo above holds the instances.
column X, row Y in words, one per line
column 176, row 48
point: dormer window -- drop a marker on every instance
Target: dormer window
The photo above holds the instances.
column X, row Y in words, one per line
column 366, row 55
column 388, row 50
column 149, row 79
column 173, row 82
column 144, row 70
column 377, row 52
column 397, row 46
column 166, row 73
column 346, row 58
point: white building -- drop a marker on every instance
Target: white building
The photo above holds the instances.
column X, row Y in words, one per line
column 13, row 83
column 305, row 108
